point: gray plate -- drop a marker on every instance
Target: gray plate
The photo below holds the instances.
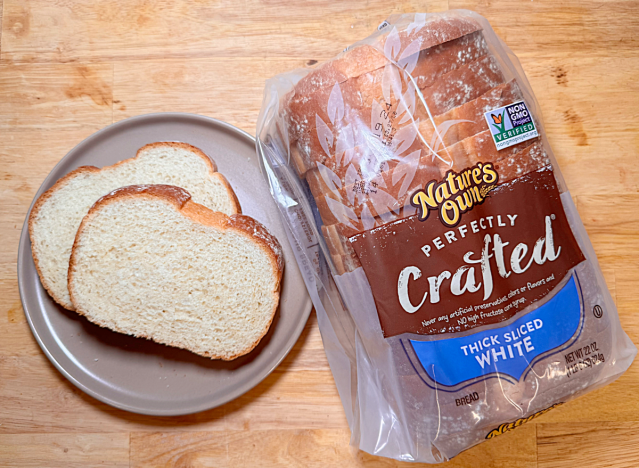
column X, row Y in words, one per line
column 139, row 375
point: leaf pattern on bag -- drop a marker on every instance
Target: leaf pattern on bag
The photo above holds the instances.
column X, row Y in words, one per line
column 408, row 58
column 348, row 156
column 368, row 220
column 391, row 81
column 342, row 213
column 324, row 135
column 383, row 202
column 344, row 142
column 330, row 178
column 370, row 167
column 393, row 45
column 408, row 210
column 406, row 108
column 378, row 179
column 352, row 177
column 407, row 169
column 363, row 181
column 388, row 217
column 404, row 138
column 418, row 23
column 335, row 106
column 438, row 139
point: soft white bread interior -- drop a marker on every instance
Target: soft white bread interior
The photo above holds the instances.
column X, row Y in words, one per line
column 58, row 212
column 149, row 262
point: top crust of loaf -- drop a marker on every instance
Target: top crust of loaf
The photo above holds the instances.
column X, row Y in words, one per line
column 359, row 74
column 181, row 199
column 437, row 30
column 366, row 58
column 65, row 180
column 331, row 113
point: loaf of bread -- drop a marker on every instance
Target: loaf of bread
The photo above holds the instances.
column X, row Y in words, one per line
column 56, row 215
column 469, row 121
column 459, row 297
column 367, row 136
column 357, row 77
column 149, row 262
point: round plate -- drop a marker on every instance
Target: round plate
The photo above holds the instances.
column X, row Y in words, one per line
column 136, row 374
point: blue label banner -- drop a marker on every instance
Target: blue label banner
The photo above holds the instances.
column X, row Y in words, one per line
column 507, row 350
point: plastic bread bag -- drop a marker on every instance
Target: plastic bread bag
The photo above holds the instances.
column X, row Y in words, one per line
column 456, row 290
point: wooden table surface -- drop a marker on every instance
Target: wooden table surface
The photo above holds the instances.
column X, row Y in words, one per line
column 71, row 67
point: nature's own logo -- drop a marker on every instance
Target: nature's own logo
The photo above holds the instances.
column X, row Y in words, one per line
column 518, row 422
column 456, row 194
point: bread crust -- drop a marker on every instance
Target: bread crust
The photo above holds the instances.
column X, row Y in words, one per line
column 436, row 30
column 212, row 165
column 359, row 73
column 356, row 182
column 212, row 170
column 180, row 199
column 367, row 58
column 32, row 217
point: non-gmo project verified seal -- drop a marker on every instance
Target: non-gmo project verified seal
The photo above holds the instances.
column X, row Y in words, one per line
column 511, row 124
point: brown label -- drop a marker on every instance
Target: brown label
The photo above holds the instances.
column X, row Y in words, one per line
column 504, row 255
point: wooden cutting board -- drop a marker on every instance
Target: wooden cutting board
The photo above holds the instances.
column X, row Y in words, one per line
column 71, row 67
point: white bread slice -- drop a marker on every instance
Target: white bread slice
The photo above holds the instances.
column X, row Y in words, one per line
column 58, row 212
column 149, row 262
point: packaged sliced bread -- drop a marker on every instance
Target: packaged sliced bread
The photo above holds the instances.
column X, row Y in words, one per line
column 148, row 261
column 456, row 289
column 57, row 214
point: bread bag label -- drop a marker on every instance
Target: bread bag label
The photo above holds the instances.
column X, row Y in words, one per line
column 511, row 124
column 509, row 351
column 433, row 276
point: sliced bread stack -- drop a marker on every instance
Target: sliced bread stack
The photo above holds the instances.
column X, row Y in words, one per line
column 57, row 214
column 158, row 262
column 148, row 261
column 407, row 111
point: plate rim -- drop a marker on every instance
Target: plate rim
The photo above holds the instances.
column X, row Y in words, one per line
column 23, row 250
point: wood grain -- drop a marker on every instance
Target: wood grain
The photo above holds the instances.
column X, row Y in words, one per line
column 179, row 29
column 52, row 404
column 597, row 444
column 596, row 144
column 565, row 28
column 64, row 450
column 1, row 2
column 612, row 222
column 39, row 150
column 200, row 86
column 318, row 448
column 71, row 67
column 55, row 96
